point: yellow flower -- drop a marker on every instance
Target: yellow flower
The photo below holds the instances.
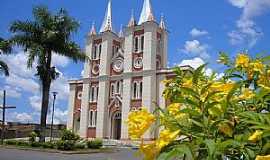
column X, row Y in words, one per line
column 257, row 66
column 264, row 82
column 247, row 94
column 263, row 157
column 187, row 83
column 139, row 122
column 242, row 60
column 166, row 137
column 255, row 136
column 174, row 108
column 150, row 151
column 222, row 87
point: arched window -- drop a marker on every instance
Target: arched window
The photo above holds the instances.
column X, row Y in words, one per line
column 92, row 94
column 118, row 87
column 94, row 55
column 135, row 90
column 136, row 49
column 92, row 118
column 142, row 43
column 99, row 50
column 96, row 94
column 141, row 90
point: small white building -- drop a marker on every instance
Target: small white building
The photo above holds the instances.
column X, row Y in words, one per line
column 125, row 72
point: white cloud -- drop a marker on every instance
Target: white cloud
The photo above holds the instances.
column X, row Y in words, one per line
column 60, row 85
column 194, row 63
column 13, row 92
column 23, row 117
column 20, row 117
column 238, row 3
column 82, row 73
column 26, row 84
column 195, row 48
column 197, row 62
column 60, row 116
column 198, row 33
column 59, row 61
column 35, row 102
column 247, row 32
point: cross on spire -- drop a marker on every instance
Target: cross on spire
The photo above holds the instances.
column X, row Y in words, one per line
column 107, row 22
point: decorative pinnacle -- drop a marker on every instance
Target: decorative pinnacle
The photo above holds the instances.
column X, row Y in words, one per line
column 121, row 33
column 107, row 22
column 93, row 29
column 147, row 13
column 132, row 21
column 162, row 22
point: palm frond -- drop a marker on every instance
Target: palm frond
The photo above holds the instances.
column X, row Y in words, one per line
column 5, row 46
column 71, row 50
column 4, row 68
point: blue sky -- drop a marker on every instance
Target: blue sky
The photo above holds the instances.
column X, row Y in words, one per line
column 199, row 29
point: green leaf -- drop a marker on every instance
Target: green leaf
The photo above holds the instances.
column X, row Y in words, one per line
column 190, row 92
column 178, row 151
column 266, row 148
column 198, row 73
column 197, row 123
column 211, row 147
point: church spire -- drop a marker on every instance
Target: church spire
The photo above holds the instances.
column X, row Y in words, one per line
column 93, row 29
column 147, row 13
column 132, row 21
column 107, row 22
column 162, row 24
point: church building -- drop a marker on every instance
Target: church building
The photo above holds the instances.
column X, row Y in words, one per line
column 124, row 72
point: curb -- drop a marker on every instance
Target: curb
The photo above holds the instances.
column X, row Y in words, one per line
column 109, row 150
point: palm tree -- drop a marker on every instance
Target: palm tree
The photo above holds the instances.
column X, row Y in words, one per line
column 5, row 48
column 47, row 34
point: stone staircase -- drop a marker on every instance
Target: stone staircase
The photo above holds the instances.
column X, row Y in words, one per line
column 121, row 143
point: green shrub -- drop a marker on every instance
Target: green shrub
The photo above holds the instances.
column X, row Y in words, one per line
column 22, row 143
column 36, row 144
column 94, row 144
column 69, row 135
column 32, row 137
column 80, row 145
column 65, row 145
column 48, row 145
column 11, row 142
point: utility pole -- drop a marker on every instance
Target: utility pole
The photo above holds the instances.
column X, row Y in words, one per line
column 4, row 107
column 54, row 98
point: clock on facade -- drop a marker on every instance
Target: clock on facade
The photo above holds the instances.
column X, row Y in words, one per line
column 138, row 64
column 118, row 65
column 95, row 69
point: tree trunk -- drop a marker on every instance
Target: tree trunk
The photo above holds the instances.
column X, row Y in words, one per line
column 44, row 110
column 46, row 84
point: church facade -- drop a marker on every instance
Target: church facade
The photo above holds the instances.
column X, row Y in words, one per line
column 124, row 72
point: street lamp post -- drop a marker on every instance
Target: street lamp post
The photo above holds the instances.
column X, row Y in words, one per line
column 54, row 98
